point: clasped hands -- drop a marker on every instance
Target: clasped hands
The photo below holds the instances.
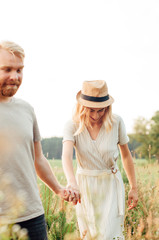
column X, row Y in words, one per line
column 71, row 194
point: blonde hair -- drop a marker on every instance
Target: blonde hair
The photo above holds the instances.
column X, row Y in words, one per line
column 81, row 118
column 13, row 48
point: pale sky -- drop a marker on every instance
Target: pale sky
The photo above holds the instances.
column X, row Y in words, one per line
column 69, row 41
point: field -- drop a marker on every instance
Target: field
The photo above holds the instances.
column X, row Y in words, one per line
column 140, row 223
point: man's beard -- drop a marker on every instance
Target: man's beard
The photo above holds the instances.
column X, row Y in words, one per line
column 9, row 91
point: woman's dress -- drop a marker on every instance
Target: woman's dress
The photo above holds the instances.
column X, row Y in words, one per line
column 101, row 212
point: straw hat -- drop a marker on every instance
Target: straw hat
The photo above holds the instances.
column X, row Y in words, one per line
column 94, row 94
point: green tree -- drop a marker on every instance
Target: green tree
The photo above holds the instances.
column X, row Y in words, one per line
column 141, row 134
column 133, row 145
column 147, row 134
column 154, row 135
column 52, row 147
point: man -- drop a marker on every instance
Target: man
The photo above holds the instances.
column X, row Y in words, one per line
column 21, row 154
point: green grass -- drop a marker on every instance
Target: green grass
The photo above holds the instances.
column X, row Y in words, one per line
column 147, row 210
column 58, row 170
column 60, row 216
column 141, row 223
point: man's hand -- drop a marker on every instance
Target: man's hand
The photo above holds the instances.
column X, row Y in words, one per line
column 64, row 193
column 69, row 195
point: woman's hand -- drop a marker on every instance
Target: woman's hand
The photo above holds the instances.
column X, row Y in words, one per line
column 132, row 198
column 75, row 197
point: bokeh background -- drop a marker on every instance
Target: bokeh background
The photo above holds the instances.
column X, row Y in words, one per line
column 69, row 41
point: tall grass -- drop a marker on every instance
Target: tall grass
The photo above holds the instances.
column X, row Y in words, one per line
column 60, row 215
column 143, row 221
column 14, row 203
column 140, row 223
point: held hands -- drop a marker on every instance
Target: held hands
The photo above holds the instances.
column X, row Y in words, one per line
column 70, row 194
column 75, row 197
column 132, row 198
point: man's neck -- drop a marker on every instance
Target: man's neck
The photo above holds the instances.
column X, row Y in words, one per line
column 5, row 99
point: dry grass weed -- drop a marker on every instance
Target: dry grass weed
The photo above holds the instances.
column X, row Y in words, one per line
column 143, row 222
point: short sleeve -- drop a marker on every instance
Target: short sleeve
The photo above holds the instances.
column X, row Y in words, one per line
column 36, row 132
column 68, row 131
column 122, row 135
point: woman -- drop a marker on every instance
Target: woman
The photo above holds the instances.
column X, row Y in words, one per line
column 97, row 136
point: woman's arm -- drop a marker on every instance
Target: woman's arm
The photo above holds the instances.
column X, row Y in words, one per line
column 67, row 162
column 130, row 172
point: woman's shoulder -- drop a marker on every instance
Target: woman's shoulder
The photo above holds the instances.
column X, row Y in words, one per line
column 69, row 131
column 70, row 124
column 117, row 118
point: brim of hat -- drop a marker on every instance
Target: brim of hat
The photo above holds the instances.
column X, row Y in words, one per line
column 91, row 104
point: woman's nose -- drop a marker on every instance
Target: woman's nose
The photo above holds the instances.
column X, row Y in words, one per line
column 95, row 115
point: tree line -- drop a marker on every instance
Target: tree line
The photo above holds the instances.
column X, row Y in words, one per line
column 145, row 139
column 143, row 142
column 52, row 147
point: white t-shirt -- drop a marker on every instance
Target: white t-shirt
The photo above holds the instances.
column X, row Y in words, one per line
column 18, row 132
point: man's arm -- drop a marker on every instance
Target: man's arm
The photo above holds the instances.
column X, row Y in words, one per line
column 46, row 174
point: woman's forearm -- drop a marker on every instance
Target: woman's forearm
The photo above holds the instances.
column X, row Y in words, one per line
column 67, row 162
column 130, row 171
column 128, row 165
column 68, row 170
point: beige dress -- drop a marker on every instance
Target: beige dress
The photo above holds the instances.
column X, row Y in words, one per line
column 101, row 212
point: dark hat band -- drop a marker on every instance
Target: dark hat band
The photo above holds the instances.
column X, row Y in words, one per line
column 94, row 99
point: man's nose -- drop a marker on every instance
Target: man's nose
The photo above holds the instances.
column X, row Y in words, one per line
column 14, row 75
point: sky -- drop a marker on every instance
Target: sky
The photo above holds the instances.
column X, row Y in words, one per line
column 67, row 42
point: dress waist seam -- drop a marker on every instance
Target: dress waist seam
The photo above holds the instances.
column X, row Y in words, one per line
column 95, row 172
